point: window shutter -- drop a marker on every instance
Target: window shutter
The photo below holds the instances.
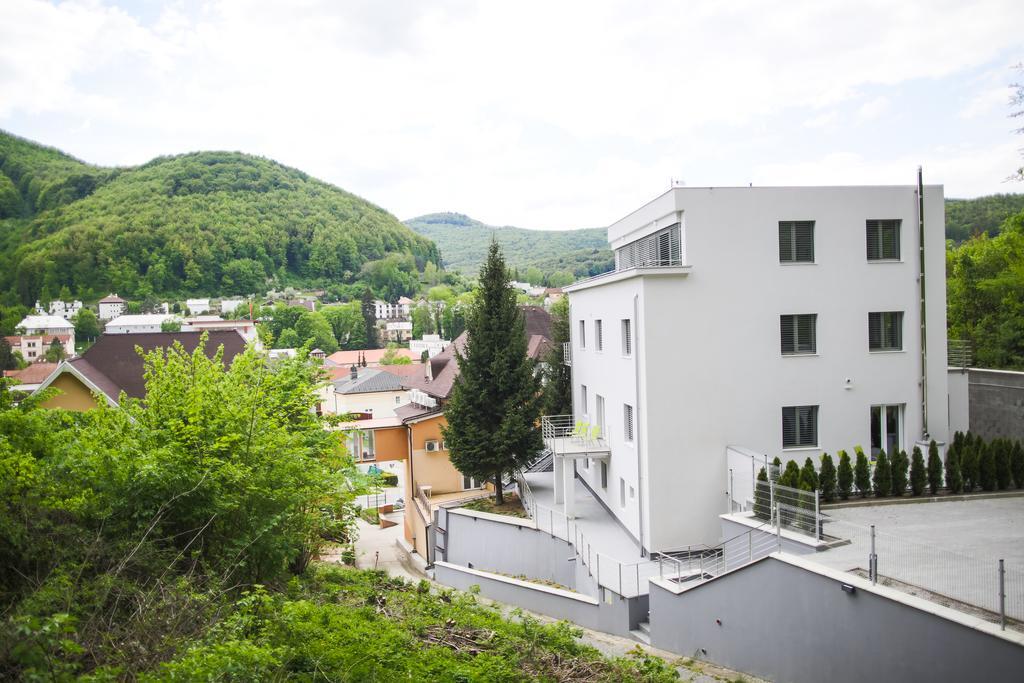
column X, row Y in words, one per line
column 799, row 333
column 785, row 242
column 628, row 420
column 799, row 426
column 883, row 237
column 874, row 241
column 796, row 241
column 627, row 337
column 874, row 331
column 788, row 335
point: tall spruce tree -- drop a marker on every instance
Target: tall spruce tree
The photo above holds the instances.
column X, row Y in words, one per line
column 934, row 468
column 862, row 473
column 918, row 472
column 882, row 477
column 827, row 478
column 898, row 465
column 1017, row 464
column 557, row 378
column 845, row 475
column 369, row 311
column 7, row 359
column 495, row 402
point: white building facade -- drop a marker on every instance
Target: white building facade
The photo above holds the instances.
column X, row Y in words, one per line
column 111, row 306
column 786, row 321
column 138, row 324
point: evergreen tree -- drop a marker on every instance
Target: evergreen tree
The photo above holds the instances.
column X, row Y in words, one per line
column 557, row 375
column 845, row 475
column 958, row 440
column 987, row 467
column 827, row 478
column 87, row 325
column 808, row 476
column 918, row 472
column 369, row 319
column 1003, row 454
column 1017, row 464
column 969, row 464
column 862, row 473
column 55, row 353
column 954, row 471
column 495, row 402
column 790, row 476
column 7, row 360
column 934, row 468
column 762, row 496
column 882, row 478
column 898, row 464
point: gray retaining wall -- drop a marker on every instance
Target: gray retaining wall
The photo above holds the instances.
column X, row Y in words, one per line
column 996, row 403
column 784, row 622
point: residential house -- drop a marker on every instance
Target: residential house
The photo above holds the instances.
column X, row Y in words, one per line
column 244, row 327
column 33, row 347
column 229, row 306
column 431, row 343
column 138, row 324
column 29, row 379
column 111, row 306
column 64, row 309
column 779, row 321
column 48, row 327
column 113, row 365
column 399, row 331
column 197, row 306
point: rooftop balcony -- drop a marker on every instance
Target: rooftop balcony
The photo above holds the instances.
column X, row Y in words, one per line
column 567, row 438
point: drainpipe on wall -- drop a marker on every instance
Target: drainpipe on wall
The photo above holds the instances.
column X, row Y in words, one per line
column 639, row 431
column 924, row 313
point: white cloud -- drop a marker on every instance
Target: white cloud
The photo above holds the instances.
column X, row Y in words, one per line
column 530, row 113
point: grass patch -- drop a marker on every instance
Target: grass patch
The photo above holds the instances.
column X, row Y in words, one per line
column 370, row 515
column 511, row 507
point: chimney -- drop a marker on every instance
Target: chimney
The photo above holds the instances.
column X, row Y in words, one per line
column 353, row 373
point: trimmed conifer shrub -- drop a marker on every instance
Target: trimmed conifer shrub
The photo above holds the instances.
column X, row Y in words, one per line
column 1003, row 451
column 958, row 440
column 882, row 478
column 969, row 464
column 934, row 468
column 845, row 475
column 918, row 472
column 987, row 467
column 762, row 496
column 954, row 471
column 898, row 464
column 1017, row 464
column 790, row 476
column 827, row 478
column 862, row 473
column 808, row 476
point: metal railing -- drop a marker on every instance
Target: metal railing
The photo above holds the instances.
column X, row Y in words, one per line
column 796, row 509
column 696, row 564
column 934, row 573
column 628, row 579
column 560, row 431
column 646, row 263
column 959, row 353
column 567, row 353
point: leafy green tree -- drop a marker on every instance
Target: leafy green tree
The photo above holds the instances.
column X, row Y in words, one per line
column 55, row 353
column 882, row 477
column 171, row 325
column 87, row 325
column 827, row 478
column 918, row 472
column 1017, row 464
column 845, row 475
column 954, row 470
column 898, row 465
column 243, row 276
column 808, row 476
column 369, row 312
column 347, row 324
column 312, row 327
column 289, row 339
column 862, row 473
column 934, row 468
column 392, row 357
column 7, row 361
column 557, row 375
column 494, row 406
column 987, row 466
column 422, row 321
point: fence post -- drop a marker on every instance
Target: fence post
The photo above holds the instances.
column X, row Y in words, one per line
column 817, row 516
column 551, row 522
column 778, row 526
column 771, row 501
column 873, row 559
column 750, row 546
column 1002, row 596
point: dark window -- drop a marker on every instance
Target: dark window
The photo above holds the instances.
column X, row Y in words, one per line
column 885, row 331
column 799, row 333
column 627, row 419
column 799, row 426
column 796, row 241
column 883, row 240
column 604, row 475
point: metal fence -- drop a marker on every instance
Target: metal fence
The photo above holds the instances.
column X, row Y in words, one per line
column 937, row 574
column 695, row 564
column 628, row 579
column 797, row 510
column 959, row 353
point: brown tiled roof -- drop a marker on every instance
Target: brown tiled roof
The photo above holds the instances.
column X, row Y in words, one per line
column 537, row 321
column 33, row 374
column 113, row 364
column 411, row 411
column 410, row 370
column 537, row 347
column 444, row 368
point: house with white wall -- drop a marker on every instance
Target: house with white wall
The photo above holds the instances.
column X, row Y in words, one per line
column 41, row 330
column 431, row 343
column 111, row 306
column 784, row 320
column 138, row 324
column 64, row 309
column 197, row 306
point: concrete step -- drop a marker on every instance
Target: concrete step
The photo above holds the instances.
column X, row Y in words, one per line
column 645, row 626
column 641, row 637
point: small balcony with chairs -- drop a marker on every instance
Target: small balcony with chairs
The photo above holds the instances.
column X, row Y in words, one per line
column 569, row 440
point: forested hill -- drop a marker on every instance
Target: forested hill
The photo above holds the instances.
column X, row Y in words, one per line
column 214, row 223
column 563, row 254
column 968, row 217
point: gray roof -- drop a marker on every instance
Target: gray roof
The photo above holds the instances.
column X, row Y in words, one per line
column 368, row 381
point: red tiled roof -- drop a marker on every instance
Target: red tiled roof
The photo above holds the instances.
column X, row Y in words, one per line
column 372, row 356
column 33, row 374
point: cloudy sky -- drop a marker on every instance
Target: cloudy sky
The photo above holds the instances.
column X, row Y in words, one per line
column 539, row 114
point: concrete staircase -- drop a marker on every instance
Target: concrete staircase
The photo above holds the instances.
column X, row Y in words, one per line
column 642, row 632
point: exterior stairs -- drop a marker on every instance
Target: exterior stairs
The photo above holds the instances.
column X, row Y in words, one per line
column 642, row 632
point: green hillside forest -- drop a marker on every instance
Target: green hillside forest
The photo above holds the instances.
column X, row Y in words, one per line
column 559, row 255
column 969, row 217
column 213, row 223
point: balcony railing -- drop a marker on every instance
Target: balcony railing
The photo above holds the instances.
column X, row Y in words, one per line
column 564, row 435
column 959, row 353
column 567, row 353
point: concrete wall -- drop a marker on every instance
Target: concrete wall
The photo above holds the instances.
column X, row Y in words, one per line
column 781, row 621
column 958, row 405
column 997, row 403
column 611, row 617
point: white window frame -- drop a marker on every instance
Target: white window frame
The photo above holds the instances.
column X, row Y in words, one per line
column 880, row 226
column 583, row 401
column 883, row 414
column 622, row 492
column 583, row 334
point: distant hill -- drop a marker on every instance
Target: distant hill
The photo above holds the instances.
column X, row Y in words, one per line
column 201, row 223
column 463, row 242
column 968, row 217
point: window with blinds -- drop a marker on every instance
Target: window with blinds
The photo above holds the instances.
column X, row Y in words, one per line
column 598, row 335
column 883, row 239
column 583, row 334
column 627, row 421
column 799, row 333
column 663, row 248
column 800, row 427
column 796, row 241
column 627, row 337
column 885, row 331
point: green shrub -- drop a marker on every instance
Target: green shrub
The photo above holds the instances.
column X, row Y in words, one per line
column 388, row 479
column 1017, row 464
column 969, row 464
column 987, row 467
column 862, row 473
column 808, row 476
column 1003, row 452
column 898, row 464
column 827, row 478
column 790, row 476
column 934, row 468
column 954, row 471
column 882, row 478
column 845, row 475
column 918, row 472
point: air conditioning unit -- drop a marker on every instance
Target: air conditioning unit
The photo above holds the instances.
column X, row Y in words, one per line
column 432, row 446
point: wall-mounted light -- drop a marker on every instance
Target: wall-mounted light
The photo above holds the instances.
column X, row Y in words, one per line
column 847, row 588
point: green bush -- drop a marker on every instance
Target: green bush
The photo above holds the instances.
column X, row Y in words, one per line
column 827, row 478
column 388, row 479
column 969, row 464
column 808, row 476
column 862, row 473
column 898, row 464
column 790, row 476
column 918, row 472
column 845, row 475
column 987, row 467
column 1017, row 464
column 954, row 471
column 762, row 496
column 934, row 468
column 882, row 478
column 1003, row 453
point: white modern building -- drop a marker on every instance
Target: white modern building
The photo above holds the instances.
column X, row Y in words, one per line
column 44, row 328
column 229, row 306
column 138, row 324
column 399, row 331
column 111, row 306
column 244, row 327
column 389, row 311
column 63, row 309
column 197, row 306
column 431, row 343
column 786, row 321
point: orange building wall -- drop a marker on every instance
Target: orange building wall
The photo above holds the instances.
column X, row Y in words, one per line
column 73, row 394
column 391, row 444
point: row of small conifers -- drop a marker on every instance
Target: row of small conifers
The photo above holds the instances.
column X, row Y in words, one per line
column 970, row 464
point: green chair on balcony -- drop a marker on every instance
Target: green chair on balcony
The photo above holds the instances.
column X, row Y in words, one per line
column 580, row 430
column 595, row 433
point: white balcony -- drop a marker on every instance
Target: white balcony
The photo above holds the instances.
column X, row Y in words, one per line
column 567, row 438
